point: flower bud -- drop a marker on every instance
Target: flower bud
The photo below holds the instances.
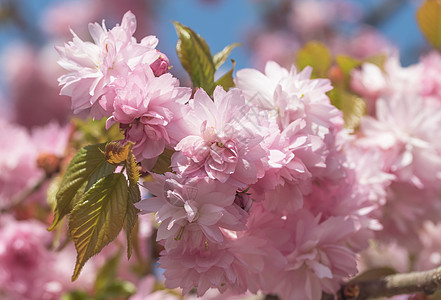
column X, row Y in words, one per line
column 49, row 162
column 160, row 66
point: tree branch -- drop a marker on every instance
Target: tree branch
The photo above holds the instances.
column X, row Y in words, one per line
column 24, row 194
column 426, row 282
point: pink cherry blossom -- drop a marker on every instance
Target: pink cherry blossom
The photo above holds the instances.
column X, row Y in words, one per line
column 343, row 199
column 31, row 270
column 28, row 73
column 404, row 214
column 371, row 82
column 26, row 262
column 145, row 106
column 319, row 259
column 295, row 100
column 431, row 82
column 221, row 142
column 233, row 265
column 380, row 255
column 92, row 66
column 316, row 253
column 287, row 178
column 192, row 210
column 402, row 79
column 290, row 95
column 369, row 167
column 403, row 129
column 304, row 147
column 429, row 255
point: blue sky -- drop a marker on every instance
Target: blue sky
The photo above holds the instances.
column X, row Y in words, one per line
column 402, row 29
column 228, row 21
column 220, row 24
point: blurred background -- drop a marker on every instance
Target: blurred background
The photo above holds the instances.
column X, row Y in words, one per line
column 29, row 30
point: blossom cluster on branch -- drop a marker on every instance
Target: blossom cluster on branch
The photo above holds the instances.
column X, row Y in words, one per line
column 268, row 191
column 312, row 180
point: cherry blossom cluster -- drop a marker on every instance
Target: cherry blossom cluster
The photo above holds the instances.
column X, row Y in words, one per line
column 33, row 270
column 266, row 192
column 30, row 270
column 404, row 110
column 116, row 77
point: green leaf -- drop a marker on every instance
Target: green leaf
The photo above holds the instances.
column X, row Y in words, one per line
column 347, row 63
column 52, row 190
column 94, row 132
column 429, row 20
column 316, row 55
column 117, row 290
column 379, row 60
column 98, row 218
column 132, row 168
column 99, row 173
column 133, row 197
column 226, row 81
column 87, row 166
column 132, row 215
column 352, row 106
column 195, row 57
column 163, row 164
column 76, row 295
column 220, row 57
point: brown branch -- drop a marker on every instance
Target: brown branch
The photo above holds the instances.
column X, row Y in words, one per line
column 24, row 194
column 47, row 162
column 426, row 282
column 325, row 296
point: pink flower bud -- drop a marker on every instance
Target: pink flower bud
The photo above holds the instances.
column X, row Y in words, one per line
column 160, row 66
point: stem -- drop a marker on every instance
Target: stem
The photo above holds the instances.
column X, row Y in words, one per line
column 426, row 282
column 23, row 195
